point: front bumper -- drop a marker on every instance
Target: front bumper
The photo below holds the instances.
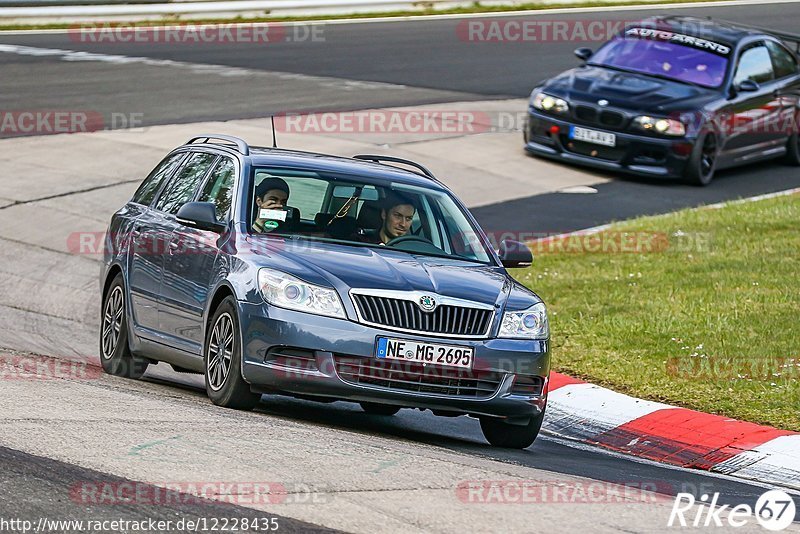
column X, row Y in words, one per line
column 325, row 344
column 634, row 154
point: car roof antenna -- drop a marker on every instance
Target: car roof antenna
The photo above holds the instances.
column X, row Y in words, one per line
column 274, row 137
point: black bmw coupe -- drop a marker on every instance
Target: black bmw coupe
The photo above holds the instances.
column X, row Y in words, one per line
column 673, row 97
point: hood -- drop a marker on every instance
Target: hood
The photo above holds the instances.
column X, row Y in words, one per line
column 624, row 90
column 346, row 267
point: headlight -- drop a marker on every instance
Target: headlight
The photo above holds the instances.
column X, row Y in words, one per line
column 526, row 324
column 660, row 125
column 549, row 103
column 286, row 291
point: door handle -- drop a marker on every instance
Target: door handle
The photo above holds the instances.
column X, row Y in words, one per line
column 137, row 231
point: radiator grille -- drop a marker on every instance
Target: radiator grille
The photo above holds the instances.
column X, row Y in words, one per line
column 405, row 314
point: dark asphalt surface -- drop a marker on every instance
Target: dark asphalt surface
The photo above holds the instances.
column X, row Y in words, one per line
column 549, row 453
column 32, row 488
column 625, row 198
column 428, row 61
column 435, row 66
column 433, row 54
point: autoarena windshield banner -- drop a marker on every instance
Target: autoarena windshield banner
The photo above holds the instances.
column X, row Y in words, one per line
column 678, row 38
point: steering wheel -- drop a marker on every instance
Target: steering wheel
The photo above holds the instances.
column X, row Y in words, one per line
column 414, row 244
column 409, row 238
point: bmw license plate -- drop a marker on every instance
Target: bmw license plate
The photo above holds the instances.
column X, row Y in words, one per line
column 429, row 353
column 592, row 136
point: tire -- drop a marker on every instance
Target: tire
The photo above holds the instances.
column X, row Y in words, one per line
column 115, row 353
column 499, row 433
column 792, row 156
column 222, row 361
column 702, row 164
column 373, row 408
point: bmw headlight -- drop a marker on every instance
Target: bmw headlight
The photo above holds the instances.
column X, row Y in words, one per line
column 526, row 324
column 660, row 125
column 286, row 291
column 549, row 103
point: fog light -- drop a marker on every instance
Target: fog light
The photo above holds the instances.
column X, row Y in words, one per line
column 527, row 385
column 682, row 149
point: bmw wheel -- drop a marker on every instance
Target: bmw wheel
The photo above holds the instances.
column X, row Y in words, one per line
column 703, row 163
column 115, row 354
column 222, row 361
column 500, row 433
column 792, row 156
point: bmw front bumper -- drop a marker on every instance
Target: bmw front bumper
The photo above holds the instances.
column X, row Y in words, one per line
column 638, row 155
column 301, row 354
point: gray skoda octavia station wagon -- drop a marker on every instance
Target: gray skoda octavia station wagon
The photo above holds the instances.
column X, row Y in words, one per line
column 360, row 279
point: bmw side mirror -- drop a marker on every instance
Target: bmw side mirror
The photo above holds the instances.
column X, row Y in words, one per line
column 583, row 53
column 515, row 254
column 200, row 215
column 747, row 86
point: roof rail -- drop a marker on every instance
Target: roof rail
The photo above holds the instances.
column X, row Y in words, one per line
column 244, row 148
column 392, row 159
column 785, row 36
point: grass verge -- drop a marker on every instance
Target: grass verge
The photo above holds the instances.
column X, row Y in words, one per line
column 474, row 8
column 698, row 308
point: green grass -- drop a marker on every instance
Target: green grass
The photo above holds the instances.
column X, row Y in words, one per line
column 706, row 316
column 427, row 9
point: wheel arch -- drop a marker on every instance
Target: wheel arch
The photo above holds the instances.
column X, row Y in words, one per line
column 114, row 270
column 222, row 291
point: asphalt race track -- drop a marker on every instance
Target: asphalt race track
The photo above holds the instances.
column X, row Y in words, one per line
column 357, row 66
column 55, row 433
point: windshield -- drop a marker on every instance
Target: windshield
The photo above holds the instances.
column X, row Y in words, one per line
column 346, row 210
column 666, row 54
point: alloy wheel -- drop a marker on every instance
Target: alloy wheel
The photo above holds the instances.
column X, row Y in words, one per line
column 112, row 322
column 220, row 352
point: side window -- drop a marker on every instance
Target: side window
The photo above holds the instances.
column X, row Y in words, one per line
column 782, row 60
column 147, row 191
column 754, row 64
column 219, row 187
column 306, row 193
column 181, row 188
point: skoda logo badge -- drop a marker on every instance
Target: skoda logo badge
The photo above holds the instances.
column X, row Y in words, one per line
column 603, row 102
column 427, row 303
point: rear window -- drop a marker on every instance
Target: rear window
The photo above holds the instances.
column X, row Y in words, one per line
column 670, row 55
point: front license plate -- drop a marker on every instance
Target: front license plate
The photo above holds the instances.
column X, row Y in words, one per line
column 417, row 352
column 592, row 136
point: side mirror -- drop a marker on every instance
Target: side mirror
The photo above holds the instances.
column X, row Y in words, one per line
column 583, row 53
column 200, row 215
column 515, row 254
column 748, row 86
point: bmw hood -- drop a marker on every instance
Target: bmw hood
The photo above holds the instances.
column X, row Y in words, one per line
column 625, row 90
column 347, row 267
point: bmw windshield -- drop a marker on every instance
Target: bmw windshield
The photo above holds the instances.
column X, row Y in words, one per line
column 343, row 209
column 666, row 54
